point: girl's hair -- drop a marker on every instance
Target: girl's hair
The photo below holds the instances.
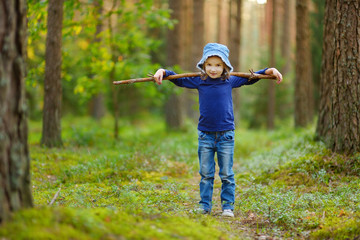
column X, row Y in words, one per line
column 225, row 74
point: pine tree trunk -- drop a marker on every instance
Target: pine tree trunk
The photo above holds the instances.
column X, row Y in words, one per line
column 198, row 37
column 193, row 19
column 345, row 90
column 173, row 106
column 97, row 103
column 114, row 90
column 15, row 187
column 271, row 85
column 51, row 132
column 234, row 46
column 304, row 101
column 324, row 119
column 286, row 36
column 223, row 22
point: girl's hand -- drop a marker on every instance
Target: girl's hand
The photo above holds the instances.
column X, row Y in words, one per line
column 276, row 73
column 158, row 76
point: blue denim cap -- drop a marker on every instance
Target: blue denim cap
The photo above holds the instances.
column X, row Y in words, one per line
column 215, row 49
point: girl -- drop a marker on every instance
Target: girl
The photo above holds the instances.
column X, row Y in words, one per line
column 216, row 123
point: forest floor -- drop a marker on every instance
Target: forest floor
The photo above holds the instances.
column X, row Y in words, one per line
column 145, row 186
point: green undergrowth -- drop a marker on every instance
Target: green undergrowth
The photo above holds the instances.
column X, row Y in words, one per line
column 299, row 189
column 105, row 223
column 145, row 186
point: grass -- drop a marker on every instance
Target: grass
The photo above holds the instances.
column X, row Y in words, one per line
column 144, row 186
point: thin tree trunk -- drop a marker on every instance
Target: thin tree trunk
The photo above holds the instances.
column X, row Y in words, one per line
column 198, row 37
column 304, row 101
column 15, row 187
column 286, row 36
column 198, row 43
column 234, row 46
column 51, row 132
column 174, row 113
column 223, row 22
column 192, row 20
column 97, row 105
column 324, row 119
column 115, row 91
column 271, row 85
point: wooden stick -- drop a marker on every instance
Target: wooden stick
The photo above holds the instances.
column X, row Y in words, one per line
column 55, row 197
column 250, row 76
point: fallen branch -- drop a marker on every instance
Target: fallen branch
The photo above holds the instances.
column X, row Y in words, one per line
column 55, row 197
column 250, row 76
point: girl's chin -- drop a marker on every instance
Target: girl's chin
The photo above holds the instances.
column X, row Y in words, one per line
column 213, row 76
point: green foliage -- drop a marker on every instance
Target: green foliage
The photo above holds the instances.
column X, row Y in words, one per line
column 92, row 59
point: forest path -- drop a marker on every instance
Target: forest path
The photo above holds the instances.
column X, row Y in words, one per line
column 234, row 228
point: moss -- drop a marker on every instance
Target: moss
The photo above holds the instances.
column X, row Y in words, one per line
column 338, row 227
column 291, row 178
column 103, row 223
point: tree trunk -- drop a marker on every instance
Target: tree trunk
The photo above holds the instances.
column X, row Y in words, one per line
column 286, row 36
column 234, row 46
column 304, row 100
column 114, row 90
column 323, row 130
column 193, row 19
column 15, row 187
column 198, row 40
column 324, row 119
column 175, row 55
column 345, row 87
column 223, row 22
column 51, row 132
column 196, row 45
column 271, row 85
column 97, row 103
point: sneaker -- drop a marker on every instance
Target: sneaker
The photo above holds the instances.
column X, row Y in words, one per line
column 200, row 211
column 227, row 213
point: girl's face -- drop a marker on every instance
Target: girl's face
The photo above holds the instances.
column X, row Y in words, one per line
column 214, row 67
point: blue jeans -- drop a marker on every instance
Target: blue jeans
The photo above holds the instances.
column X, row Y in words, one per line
column 223, row 144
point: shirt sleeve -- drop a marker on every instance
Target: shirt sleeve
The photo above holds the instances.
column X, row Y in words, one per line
column 186, row 82
column 240, row 81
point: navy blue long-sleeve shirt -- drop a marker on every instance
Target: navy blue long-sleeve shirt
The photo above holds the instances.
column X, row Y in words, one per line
column 215, row 99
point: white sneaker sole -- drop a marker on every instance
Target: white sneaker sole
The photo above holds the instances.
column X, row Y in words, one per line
column 227, row 214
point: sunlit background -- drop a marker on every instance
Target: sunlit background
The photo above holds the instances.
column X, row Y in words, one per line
column 258, row 1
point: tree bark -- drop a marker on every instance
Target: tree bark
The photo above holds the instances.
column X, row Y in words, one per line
column 15, row 187
column 271, row 85
column 304, row 100
column 324, row 119
column 193, row 18
column 114, row 91
column 198, row 36
column 223, row 22
column 51, row 132
column 286, row 41
column 235, row 46
column 174, row 111
column 345, row 90
column 97, row 103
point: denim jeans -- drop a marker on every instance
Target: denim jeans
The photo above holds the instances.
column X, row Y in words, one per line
column 223, row 144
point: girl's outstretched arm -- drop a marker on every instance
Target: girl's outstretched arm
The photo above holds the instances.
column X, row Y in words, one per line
column 276, row 73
